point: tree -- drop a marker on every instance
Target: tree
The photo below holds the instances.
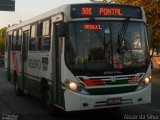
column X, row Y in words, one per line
column 2, row 40
column 152, row 11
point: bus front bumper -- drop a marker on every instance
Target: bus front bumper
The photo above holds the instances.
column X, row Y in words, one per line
column 75, row 101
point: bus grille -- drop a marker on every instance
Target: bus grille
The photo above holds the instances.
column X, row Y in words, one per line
column 111, row 84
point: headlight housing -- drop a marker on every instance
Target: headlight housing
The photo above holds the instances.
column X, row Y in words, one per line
column 145, row 82
column 76, row 87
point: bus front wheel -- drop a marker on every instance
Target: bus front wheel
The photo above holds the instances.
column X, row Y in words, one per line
column 48, row 98
column 45, row 92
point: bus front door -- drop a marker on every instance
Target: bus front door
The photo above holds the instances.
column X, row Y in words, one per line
column 56, row 67
column 8, row 54
column 24, row 56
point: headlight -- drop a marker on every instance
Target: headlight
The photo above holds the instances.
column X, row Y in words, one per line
column 72, row 86
column 146, row 81
column 77, row 87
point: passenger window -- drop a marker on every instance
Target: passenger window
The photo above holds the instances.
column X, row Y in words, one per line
column 19, row 40
column 32, row 40
column 39, row 34
column 14, row 41
column 44, row 41
column 9, row 38
column 46, row 29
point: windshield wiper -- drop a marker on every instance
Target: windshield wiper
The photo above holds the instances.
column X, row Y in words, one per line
column 122, row 43
column 99, row 34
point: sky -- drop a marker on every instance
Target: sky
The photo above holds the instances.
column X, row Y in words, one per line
column 26, row 9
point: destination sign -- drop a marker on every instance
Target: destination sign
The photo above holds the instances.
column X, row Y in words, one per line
column 105, row 10
column 92, row 26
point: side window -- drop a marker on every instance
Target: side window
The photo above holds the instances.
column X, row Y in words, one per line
column 39, row 34
column 46, row 30
column 7, row 44
column 14, row 41
column 32, row 40
column 19, row 40
column 44, row 43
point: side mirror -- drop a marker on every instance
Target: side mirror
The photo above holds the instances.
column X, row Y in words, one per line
column 61, row 29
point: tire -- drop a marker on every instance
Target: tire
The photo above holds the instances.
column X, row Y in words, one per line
column 43, row 90
column 48, row 98
column 52, row 110
column 18, row 91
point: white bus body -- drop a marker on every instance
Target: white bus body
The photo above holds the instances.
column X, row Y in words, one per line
column 51, row 57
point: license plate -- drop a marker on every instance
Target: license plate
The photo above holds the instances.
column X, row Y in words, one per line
column 114, row 101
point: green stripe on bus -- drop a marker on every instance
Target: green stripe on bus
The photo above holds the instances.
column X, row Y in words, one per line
column 33, row 86
column 118, row 82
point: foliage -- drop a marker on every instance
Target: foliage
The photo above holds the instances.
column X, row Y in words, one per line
column 152, row 11
column 2, row 40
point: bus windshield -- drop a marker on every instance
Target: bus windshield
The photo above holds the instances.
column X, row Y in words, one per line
column 96, row 46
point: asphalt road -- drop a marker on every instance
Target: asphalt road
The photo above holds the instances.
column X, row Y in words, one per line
column 28, row 107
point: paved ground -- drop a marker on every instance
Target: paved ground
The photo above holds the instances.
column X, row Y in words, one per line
column 28, row 107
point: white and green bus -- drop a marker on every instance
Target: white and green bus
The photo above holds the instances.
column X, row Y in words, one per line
column 82, row 56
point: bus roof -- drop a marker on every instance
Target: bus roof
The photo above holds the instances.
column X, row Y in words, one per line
column 61, row 9
column 39, row 17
